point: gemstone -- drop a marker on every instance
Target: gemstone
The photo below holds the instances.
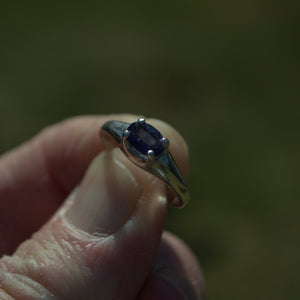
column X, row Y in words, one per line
column 144, row 137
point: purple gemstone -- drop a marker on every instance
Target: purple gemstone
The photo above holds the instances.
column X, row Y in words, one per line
column 144, row 137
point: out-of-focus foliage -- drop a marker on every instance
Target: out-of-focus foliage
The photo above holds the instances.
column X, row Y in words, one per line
column 225, row 74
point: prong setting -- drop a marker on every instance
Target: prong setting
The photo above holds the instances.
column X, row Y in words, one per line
column 126, row 133
column 141, row 121
column 165, row 142
column 150, row 155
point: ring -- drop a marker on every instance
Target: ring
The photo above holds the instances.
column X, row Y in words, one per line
column 145, row 146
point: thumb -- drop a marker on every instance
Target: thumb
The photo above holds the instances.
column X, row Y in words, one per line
column 100, row 244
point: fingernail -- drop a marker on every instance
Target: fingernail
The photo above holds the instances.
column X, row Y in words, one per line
column 106, row 197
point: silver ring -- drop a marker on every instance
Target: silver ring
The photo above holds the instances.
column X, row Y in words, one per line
column 145, row 146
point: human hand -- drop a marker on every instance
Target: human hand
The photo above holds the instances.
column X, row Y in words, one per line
column 101, row 240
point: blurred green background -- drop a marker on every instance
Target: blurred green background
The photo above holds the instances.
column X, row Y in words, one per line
column 225, row 74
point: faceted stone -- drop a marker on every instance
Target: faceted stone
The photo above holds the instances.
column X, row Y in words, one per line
column 144, row 137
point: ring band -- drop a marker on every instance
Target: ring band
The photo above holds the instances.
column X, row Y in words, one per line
column 147, row 148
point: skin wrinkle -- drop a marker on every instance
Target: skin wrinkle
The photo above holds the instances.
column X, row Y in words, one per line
column 6, row 293
column 51, row 259
column 135, row 245
column 73, row 231
column 87, row 249
column 39, row 290
column 5, row 296
column 80, row 242
column 88, row 236
column 25, row 286
column 32, row 265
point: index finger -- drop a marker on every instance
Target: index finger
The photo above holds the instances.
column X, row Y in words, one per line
column 36, row 177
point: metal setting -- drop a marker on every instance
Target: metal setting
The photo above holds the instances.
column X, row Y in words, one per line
column 150, row 156
column 126, row 133
column 141, row 121
column 162, row 165
column 166, row 143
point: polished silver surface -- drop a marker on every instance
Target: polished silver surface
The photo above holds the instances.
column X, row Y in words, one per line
column 141, row 121
column 166, row 143
column 162, row 166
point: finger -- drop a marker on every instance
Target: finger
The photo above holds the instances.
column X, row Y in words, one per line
column 36, row 177
column 30, row 186
column 176, row 273
column 102, row 242
column 51, row 165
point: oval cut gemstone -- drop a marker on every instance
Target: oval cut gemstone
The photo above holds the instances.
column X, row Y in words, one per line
column 144, row 137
